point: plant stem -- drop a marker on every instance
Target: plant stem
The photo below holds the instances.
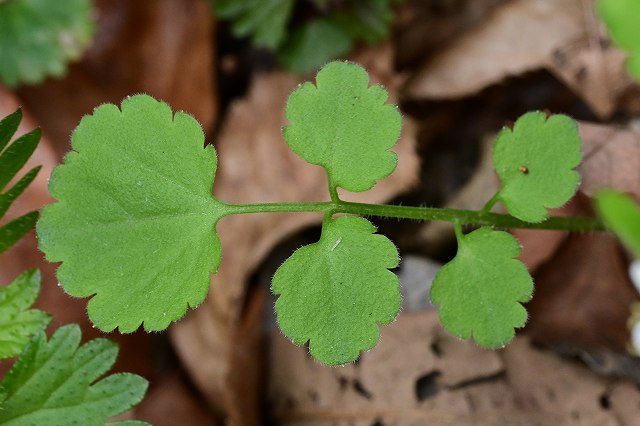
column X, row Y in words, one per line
column 464, row 217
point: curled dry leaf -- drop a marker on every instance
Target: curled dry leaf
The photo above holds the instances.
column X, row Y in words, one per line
column 583, row 292
column 611, row 159
column 564, row 37
column 256, row 165
column 419, row 374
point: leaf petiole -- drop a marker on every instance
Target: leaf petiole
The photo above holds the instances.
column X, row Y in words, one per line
column 464, row 217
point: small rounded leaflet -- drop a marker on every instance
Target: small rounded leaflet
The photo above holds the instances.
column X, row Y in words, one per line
column 536, row 163
column 622, row 18
column 621, row 214
column 39, row 37
column 479, row 293
column 345, row 126
column 334, row 293
column 135, row 220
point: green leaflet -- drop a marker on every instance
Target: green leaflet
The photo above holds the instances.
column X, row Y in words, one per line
column 38, row 38
column 622, row 216
column 622, row 18
column 479, row 292
column 14, row 156
column 345, row 126
column 17, row 322
column 55, row 383
column 135, row 220
column 335, row 293
column 535, row 162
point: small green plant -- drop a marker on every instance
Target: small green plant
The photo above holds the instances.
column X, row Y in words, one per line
column 135, row 221
column 52, row 382
column 39, row 37
column 304, row 45
column 622, row 18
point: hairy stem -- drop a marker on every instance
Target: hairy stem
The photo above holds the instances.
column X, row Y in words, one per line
column 463, row 217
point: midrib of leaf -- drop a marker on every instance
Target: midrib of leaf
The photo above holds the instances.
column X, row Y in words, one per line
column 36, row 372
column 10, row 323
column 39, row 370
column 338, row 138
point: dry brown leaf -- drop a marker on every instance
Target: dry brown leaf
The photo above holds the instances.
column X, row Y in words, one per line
column 419, row 374
column 611, row 159
column 593, row 69
column 170, row 402
column 583, row 295
column 519, row 36
column 164, row 48
column 542, row 382
column 525, row 35
column 257, row 166
column 423, row 27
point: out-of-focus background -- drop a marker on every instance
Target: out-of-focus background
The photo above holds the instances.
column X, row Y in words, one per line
column 459, row 70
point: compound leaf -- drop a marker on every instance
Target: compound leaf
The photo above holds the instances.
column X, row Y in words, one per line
column 622, row 18
column 135, row 220
column 265, row 21
column 38, row 38
column 535, row 162
column 334, row 293
column 367, row 20
column 345, row 126
column 314, row 44
column 479, row 292
column 17, row 322
column 12, row 159
column 16, row 229
column 8, row 127
column 54, row 382
column 622, row 215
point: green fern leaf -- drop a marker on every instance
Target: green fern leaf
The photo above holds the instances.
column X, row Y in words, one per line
column 54, row 383
column 17, row 322
column 12, row 159
column 314, row 44
column 335, row 293
column 265, row 21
